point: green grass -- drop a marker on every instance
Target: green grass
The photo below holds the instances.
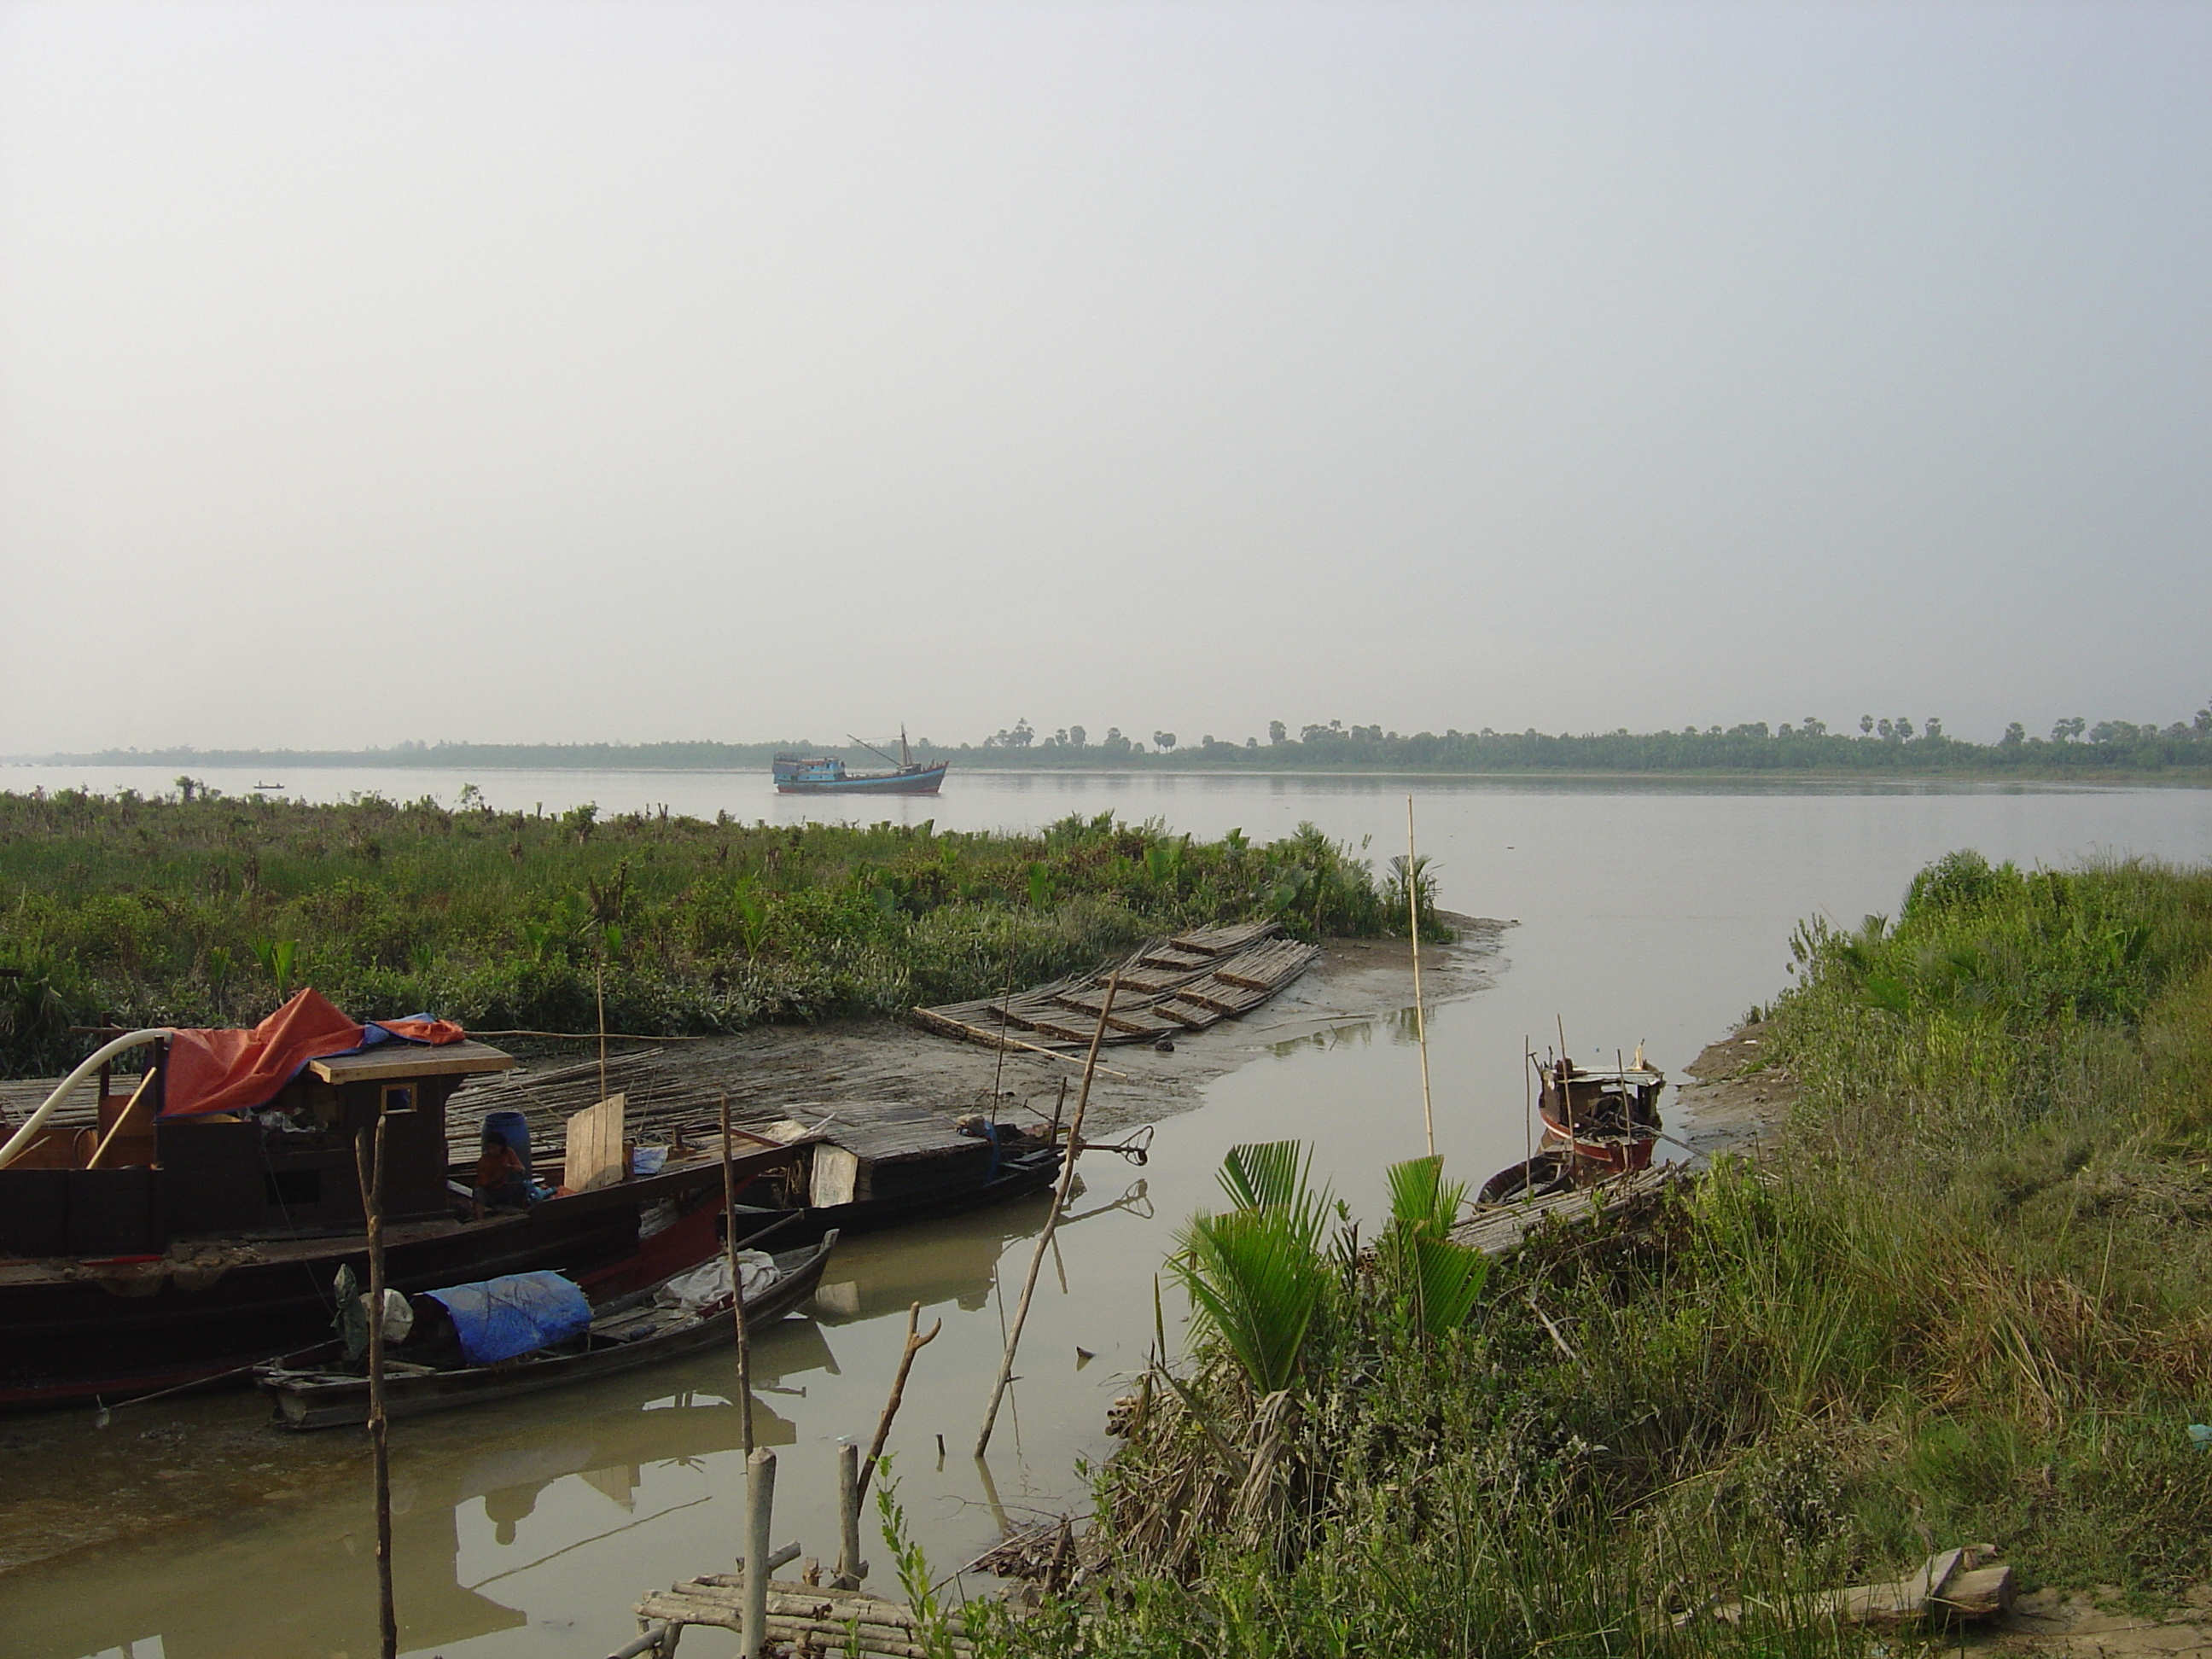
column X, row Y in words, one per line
column 1969, row 1298
column 171, row 912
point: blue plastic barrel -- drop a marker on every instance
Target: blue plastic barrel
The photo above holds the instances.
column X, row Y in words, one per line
column 512, row 1128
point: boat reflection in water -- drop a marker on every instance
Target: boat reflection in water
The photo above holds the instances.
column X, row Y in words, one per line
column 194, row 1595
column 553, row 1511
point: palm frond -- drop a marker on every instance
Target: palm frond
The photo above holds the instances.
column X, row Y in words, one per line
column 1275, row 1175
column 1254, row 1282
column 1447, row 1277
column 1421, row 1199
column 1263, row 1173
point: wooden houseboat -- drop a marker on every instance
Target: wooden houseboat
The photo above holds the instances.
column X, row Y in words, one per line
column 193, row 1226
column 1606, row 1120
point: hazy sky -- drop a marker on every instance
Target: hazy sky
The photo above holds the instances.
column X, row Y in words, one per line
column 641, row 370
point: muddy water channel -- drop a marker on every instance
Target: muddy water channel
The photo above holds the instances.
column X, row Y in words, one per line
column 1643, row 914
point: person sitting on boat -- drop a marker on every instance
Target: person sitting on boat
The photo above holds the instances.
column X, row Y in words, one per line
column 502, row 1181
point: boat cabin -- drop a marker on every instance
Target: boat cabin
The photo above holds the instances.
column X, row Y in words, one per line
column 809, row 768
column 890, row 1151
column 1596, row 1104
column 132, row 1182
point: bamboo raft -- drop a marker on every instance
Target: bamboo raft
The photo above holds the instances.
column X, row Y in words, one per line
column 1501, row 1228
column 808, row 1618
column 1186, row 982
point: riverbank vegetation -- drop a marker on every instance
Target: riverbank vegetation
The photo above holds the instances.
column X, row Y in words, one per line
column 1875, row 745
column 1967, row 1298
column 210, row 911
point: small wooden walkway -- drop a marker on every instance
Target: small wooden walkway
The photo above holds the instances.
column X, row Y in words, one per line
column 1186, row 982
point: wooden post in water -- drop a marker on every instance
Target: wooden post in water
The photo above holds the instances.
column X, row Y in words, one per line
column 1420, row 1015
column 369, row 1165
column 737, row 1288
column 1052, row 1221
column 850, row 1568
column 760, row 1515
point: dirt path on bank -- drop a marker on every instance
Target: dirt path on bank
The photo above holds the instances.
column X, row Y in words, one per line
column 1735, row 1101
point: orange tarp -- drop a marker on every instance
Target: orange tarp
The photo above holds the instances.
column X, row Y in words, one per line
column 229, row 1070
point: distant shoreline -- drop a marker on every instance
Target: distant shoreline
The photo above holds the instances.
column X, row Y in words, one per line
column 1003, row 765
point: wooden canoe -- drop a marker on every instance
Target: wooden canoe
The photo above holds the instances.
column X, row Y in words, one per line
column 626, row 1333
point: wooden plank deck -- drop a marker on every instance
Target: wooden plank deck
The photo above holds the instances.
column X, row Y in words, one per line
column 1186, row 982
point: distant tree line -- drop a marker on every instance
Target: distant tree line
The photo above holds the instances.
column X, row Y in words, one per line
column 1899, row 744
column 1892, row 744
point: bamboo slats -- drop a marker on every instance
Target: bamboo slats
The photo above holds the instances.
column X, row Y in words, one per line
column 1499, row 1229
column 819, row 1621
column 1186, row 982
column 661, row 1099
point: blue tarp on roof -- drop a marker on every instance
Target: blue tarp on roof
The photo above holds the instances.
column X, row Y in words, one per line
column 499, row 1318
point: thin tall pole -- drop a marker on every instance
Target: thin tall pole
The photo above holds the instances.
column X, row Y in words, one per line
column 736, row 1291
column 1059, row 1203
column 369, row 1165
column 600, row 996
column 1420, row 1014
column 1527, row 1111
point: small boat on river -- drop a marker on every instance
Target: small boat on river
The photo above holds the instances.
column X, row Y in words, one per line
column 1598, row 1123
column 825, row 774
column 471, row 1343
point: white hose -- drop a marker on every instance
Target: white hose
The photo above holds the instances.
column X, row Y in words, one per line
column 100, row 1056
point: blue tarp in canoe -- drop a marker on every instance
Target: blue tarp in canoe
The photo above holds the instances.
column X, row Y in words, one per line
column 499, row 1318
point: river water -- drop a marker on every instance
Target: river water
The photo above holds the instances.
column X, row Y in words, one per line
column 1651, row 913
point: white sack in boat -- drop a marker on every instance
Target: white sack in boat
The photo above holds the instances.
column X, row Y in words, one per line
column 709, row 1283
column 398, row 1315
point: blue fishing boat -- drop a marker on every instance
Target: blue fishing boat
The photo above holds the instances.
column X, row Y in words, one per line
column 825, row 774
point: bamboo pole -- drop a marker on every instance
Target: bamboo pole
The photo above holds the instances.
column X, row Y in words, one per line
column 960, row 1027
column 760, row 1515
column 915, row 1345
column 850, row 1568
column 1420, row 1015
column 369, row 1166
column 124, row 1117
column 1052, row 1221
column 599, row 996
column 1528, row 1118
column 737, row 1285
column 1567, row 1102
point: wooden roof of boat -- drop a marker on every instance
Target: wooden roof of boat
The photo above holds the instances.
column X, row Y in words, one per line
column 878, row 1132
column 406, row 1060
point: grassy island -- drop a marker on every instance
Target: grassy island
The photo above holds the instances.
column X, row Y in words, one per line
column 200, row 911
column 1968, row 1298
